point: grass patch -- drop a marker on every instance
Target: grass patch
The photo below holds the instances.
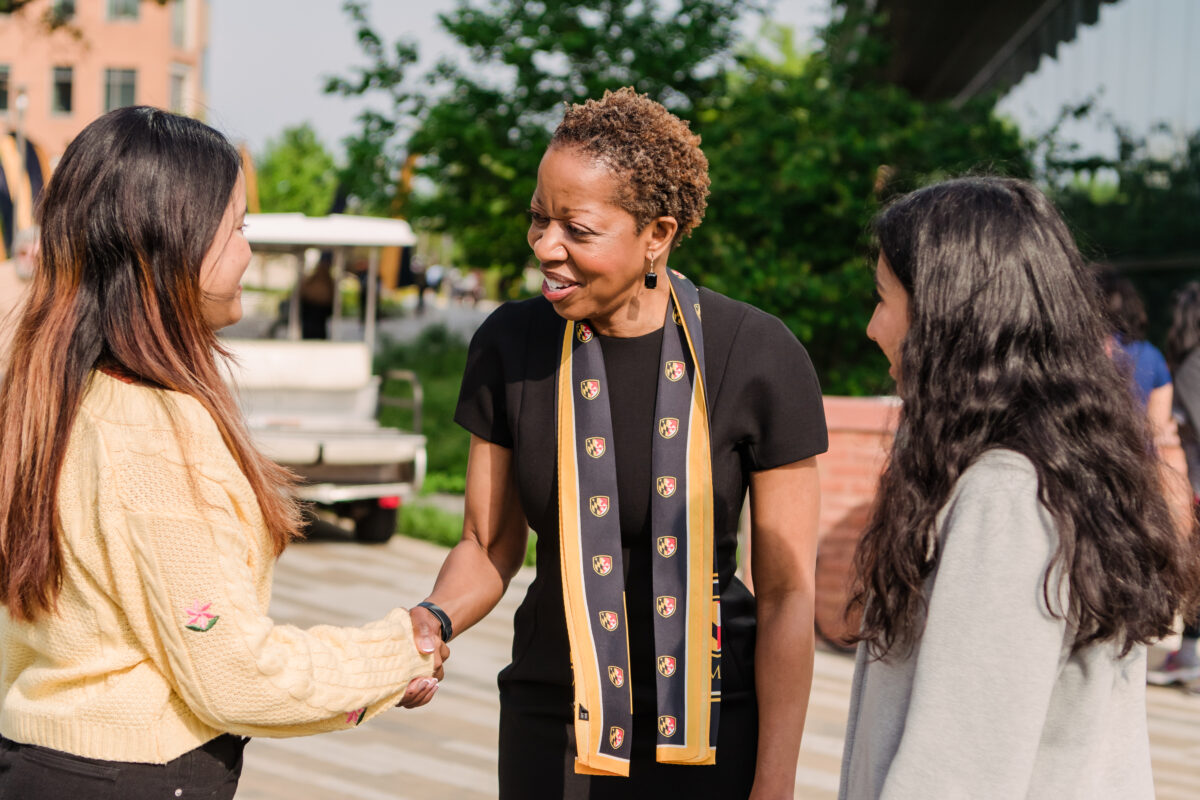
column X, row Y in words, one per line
column 431, row 524
column 438, row 357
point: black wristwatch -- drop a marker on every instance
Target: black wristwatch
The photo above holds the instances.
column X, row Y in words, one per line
column 442, row 618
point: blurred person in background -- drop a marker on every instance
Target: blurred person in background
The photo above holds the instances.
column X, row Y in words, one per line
column 1183, row 358
column 15, row 275
column 1021, row 553
column 623, row 414
column 139, row 526
column 1138, row 358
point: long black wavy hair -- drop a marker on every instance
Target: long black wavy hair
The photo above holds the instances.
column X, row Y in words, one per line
column 1005, row 349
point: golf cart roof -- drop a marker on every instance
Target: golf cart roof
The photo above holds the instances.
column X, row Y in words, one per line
column 266, row 231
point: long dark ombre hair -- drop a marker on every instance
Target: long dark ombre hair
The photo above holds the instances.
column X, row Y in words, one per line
column 1005, row 349
column 126, row 220
column 1184, row 335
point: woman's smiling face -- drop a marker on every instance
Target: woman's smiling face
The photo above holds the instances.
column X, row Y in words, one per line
column 589, row 249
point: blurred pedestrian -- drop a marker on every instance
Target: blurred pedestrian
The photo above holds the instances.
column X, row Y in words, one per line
column 138, row 523
column 15, row 275
column 316, row 299
column 1021, row 553
column 1183, row 357
column 1140, row 360
column 623, row 415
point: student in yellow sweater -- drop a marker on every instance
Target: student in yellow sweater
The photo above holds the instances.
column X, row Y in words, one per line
column 138, row 525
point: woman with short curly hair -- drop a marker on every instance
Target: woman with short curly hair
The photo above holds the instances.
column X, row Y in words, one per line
column 623, row 415
column 1021, row 553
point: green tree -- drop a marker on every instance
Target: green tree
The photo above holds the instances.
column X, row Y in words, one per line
column 802, row 151
column 296, row 173
column 480, row 140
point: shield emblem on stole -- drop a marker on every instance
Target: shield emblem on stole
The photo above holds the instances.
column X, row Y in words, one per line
column 667, row 545
column 665, row 604
column 583, row 332
column 666, row 666
column 666, row 725
column 617, row 676
column 666, row 485
column 589, row 388
column 668, row 427
column 602, row 565
column 599, row 505
column 675, row 370
column 616, row 737
column 595, row 446
column 675, row 316
column 609, row 620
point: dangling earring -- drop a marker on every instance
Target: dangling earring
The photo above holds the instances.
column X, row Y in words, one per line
column 651, row 278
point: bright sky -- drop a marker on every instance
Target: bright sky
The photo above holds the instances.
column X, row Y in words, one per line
column 267, row 58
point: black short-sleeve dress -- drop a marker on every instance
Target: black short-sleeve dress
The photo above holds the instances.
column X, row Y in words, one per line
column 766, row 411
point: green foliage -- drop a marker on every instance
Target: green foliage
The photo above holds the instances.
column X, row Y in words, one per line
column 802, row 148
column 431, row 524
column 1140, row 204
column 438, row 358
column 296, row 173
column 480, row 141
column 802, row 151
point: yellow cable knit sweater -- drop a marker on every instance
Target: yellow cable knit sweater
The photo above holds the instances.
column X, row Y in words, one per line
column 161, row 639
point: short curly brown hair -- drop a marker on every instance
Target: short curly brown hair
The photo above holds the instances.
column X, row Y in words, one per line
column 655, row 153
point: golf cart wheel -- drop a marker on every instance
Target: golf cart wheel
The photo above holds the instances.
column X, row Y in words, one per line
column 376, row 525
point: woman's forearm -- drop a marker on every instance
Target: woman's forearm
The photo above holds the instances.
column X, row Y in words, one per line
column 471, row 583
column 783, row 670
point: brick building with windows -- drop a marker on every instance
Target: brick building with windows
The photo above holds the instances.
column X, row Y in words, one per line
column 65, row 62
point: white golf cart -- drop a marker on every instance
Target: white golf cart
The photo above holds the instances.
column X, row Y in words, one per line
column 312, row 404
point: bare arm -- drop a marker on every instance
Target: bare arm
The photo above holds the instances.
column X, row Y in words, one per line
column 784, row 507
column 1158, row 408
column 478, row 569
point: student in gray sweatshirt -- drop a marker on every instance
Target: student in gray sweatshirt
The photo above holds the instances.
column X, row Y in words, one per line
column 1021, row 553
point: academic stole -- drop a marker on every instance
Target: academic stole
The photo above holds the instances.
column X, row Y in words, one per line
column 687, row 615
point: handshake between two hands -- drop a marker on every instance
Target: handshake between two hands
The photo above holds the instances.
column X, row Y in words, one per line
column 427, row 632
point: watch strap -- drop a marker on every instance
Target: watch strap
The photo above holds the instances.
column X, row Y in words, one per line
column 442, row 617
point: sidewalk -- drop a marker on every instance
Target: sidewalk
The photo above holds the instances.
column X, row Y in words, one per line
column 448, row 748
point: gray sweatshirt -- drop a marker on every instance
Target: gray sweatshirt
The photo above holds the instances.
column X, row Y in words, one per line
column 991, row 703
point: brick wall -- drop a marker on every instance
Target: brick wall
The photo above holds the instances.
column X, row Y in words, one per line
column 860, row 431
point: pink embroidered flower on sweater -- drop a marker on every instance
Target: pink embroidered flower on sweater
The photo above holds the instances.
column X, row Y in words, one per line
column 354, row 717
column 199, row 618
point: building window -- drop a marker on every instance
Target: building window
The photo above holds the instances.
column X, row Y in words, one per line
column 120, row 88
column 64, row 85
column 122, row 9
column 179, row 24
column 62, row 11
column 4, row 87
column 179, row 78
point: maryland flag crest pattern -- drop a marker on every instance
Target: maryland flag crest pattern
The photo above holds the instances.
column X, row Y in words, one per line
column 599, row 505
column 666, row 605
column 595, row 446
column 668, row 427
column 666, row 666
column 602, row 565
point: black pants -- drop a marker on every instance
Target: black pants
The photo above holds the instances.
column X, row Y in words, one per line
column 30, row 772
column 537, row 758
